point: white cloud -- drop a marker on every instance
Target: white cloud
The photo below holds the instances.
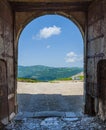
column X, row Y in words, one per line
column 71, row 54
column 47, row 32
column 48, row 46
column 71, row 57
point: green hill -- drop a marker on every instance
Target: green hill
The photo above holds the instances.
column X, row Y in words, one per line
column 45, row 73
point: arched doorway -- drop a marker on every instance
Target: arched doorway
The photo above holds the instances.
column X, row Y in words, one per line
column 73, row 98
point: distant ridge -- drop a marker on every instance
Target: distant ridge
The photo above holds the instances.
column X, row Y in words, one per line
column 46, row 73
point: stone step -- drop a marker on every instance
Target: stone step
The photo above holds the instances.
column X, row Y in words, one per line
column 45, row 114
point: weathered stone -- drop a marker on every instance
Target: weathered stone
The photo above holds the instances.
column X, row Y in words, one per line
column 52, row 123
column 58, row 123
column 70, row 119
column 70, row 114
column 49, row 114
column 91, row 22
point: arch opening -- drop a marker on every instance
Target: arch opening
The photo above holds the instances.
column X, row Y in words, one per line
column 56, row 99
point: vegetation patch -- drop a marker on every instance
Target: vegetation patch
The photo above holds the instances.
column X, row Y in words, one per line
column 65, row 79
column 27, row 80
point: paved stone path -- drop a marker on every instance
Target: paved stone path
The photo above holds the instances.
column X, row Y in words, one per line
column 59, row 96
column 52, row 106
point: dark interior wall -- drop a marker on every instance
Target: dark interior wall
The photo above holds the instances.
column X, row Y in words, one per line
column 102, row 88
column 6, row 62
column 96, row 51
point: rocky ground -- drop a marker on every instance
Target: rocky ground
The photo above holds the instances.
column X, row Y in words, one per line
column 52, row 106
column 55, row 121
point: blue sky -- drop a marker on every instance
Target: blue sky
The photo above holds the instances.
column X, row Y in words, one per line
column 51, row 40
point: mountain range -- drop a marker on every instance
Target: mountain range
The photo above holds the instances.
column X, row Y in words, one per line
column 45, row 73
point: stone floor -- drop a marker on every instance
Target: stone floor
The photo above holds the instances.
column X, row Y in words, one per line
column 55, row 120
column 57, row 108
column 45, row 96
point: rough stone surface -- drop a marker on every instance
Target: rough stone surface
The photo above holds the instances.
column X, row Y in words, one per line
column 57, row 123
column 96, row 51
column 92, row 22
column 6, row 57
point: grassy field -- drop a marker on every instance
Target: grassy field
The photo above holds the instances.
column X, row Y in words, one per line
column 27, row 80
column 81, row 78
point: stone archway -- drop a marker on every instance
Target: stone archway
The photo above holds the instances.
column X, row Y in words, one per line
column 14, row 15
column 79, row 100
column 22, row 20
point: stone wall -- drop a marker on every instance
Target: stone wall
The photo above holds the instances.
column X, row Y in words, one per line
column 96, row 51
column 93, row 27
column 6, row 62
